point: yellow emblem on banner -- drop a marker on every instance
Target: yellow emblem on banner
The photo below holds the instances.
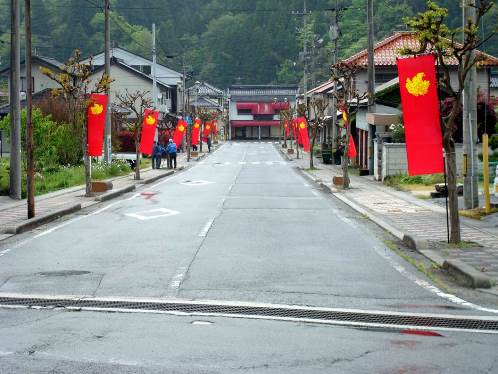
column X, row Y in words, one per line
column 96, row 109
column 181, row 128
column 417, row 86
column 302, row 125
column 150, row 120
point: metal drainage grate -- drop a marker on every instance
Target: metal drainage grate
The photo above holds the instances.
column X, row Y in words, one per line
column 332, row 316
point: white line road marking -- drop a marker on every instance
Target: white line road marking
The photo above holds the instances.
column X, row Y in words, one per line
column 206, row 228
column 146, row 215
column 227, row 163
column 177, row 279
column 315, row 193
column 196, row 183
column 383, row 252
column 255, row 162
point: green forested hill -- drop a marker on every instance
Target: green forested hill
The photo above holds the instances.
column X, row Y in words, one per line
column 225, row 41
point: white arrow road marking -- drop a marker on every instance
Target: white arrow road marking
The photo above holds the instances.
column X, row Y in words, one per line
column 149, row 214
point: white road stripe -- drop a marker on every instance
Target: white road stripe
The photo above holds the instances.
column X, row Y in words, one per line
column 177, row 279
column 206, row 228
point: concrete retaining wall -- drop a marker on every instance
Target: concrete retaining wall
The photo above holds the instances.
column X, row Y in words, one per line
column 394, row 159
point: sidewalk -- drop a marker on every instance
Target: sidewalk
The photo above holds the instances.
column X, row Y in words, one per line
column 421, row 223
column 13, row 213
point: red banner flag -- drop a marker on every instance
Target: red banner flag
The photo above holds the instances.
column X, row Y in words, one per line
column 181, row 127
column 303, row 133
column 420, row 103
column 96, row 122
column 214, row 129
column 352, row 148
column 148, row 131
column 208, row 127
column 196, row 129
column 286, row 129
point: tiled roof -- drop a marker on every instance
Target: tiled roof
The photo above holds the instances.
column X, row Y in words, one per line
column 386, row 51
column 323, row 88
column 205, row 89
column 263, row 90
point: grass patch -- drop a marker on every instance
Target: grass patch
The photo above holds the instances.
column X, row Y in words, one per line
column 54, row 178
column 476, row 213
column 420, row 266
column 461, row 245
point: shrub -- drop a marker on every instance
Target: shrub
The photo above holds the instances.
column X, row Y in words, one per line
column 493, row 142
column 398, row 132
column 55, row 143
column 126, row 141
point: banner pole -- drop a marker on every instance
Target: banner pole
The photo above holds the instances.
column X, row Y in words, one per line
column 444, row 157
column 446, row 200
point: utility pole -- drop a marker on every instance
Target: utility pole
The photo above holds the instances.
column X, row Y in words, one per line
column 154, row 78
column 470, row 187
column 305, row 55
column 29, row 113
column 107, row 57
column 15, row 105
column 154, row 75
column 371, row 85
column 334, row 35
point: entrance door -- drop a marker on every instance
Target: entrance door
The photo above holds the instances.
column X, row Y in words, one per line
column 240, row 133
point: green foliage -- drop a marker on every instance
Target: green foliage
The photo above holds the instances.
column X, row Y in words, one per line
column 398, row 132
column 397, row 181
column 55, row 177
column 493, row 142
column 55, row 143
column 225, row 41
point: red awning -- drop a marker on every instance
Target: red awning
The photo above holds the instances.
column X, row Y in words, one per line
column 254, row 123
column 262, row 108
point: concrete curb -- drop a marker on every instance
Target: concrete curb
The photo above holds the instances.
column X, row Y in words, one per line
column 156, row 177
column 38, row 221
column 115, row 193
column 466, row 275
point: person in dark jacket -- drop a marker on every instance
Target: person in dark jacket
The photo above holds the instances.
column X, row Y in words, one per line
column 209, row 143
column 171, row 150
column 157, row 152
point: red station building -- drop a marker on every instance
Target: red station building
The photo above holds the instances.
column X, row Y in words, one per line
column 255, row 110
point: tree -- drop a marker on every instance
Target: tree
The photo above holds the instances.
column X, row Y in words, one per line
column 436, row 37
column 74, row 81
column 318, row 105
column 135, row 102
column 348, row 101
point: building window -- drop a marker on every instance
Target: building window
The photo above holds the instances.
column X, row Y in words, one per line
column 23, row 84
column 244, row 111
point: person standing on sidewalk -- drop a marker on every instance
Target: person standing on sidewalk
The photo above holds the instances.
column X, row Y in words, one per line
column 209, row 143
column 156, row 155
column 171, row 150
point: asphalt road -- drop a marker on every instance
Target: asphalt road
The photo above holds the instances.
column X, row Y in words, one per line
column 242, row 225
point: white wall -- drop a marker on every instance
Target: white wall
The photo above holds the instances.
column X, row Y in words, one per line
column 42, row 82
column 125, row 80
